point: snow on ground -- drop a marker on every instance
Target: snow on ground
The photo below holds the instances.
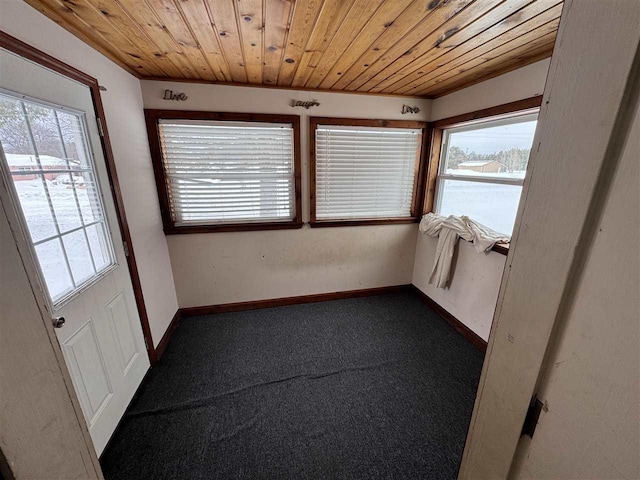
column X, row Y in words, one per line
column 492, row 205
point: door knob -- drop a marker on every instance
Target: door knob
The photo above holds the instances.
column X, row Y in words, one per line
column 58, row 322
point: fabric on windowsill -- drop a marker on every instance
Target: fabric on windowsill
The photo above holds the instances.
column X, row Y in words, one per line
column 448, row 230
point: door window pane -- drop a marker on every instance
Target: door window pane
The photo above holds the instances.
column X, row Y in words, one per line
column 54, row 268
column 88, row 198
column 77, row 249
column 32, row 195
column 63, row 199
column 98, row 245
column 46, row 153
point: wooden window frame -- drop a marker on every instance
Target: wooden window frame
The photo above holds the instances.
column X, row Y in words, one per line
column 152, row 117
column 437, row 129
column 418, row 185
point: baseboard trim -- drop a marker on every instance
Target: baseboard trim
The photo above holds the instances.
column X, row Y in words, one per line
column 460, row 327
column 164, row 341
column 279, row 302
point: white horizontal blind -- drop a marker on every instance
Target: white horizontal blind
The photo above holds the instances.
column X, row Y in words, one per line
column 365, row 172
column 228, row 172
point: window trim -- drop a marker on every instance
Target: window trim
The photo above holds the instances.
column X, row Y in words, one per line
column 435, row 147
column 152, row 118
column 418, row 185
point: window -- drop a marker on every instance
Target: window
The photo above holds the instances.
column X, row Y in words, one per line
column 364, row 171
column 46, row 156
column 222, row 172
column 482, row 168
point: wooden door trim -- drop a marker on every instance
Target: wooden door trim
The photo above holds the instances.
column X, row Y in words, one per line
column 24, row 50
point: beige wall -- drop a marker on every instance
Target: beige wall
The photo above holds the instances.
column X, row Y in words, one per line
column 525, row 82
column 592, row 386
column 125, row 121
column 217, row 268
column 472, row 294
column 473, row 291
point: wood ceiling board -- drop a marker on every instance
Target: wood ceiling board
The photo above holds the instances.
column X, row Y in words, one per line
column 374, row 46
column 384, row 71
column 383, row 18
column 383, row 63
column 223, row 15
column 520, row 61
column 488, row 66
column 419, row 19
column 84, row 33
column 305, row 15
column 448, row 65
column 250, row 17
column 85, row 19
column 330, row 19
column 169, row 15
column 277, row 19
column 142, row 45
column 146, row 18
column 355, row 20
column 197, row 16
column 487, row 26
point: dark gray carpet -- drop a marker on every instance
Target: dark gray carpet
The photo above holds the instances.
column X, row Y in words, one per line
column 375, row 387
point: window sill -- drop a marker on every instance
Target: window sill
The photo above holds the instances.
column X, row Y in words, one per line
column 361, row 222
column 232, row 227
column 502, row 248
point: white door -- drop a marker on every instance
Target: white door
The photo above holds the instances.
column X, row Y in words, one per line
column 54, row 174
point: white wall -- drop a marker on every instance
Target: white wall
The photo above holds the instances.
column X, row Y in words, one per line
column 592, row 386
column 216, row 268
column 473, row 291
column 125, row 122
column 525, row 82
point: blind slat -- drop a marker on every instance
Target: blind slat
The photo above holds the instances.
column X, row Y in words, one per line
column 365, row 172
column 224, row 172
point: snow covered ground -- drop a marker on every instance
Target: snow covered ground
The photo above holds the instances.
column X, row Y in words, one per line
column 492, row 205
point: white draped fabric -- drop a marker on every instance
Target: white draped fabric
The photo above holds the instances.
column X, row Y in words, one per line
column 448, row 230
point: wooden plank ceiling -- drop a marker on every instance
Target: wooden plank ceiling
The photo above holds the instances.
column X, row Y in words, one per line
column 424, row 48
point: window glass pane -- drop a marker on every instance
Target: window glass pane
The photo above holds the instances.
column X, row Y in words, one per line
column 14, row 133
column 47, row 155
column 492, row 149
column 365, row 172
column 54, row 268
column 33, row 199
column 219, row 172
column 61, row 192
column 73, row 138
column 99, row 246
column 75, row 244
column 491, row 204
column 45, row 133
column 88, row 197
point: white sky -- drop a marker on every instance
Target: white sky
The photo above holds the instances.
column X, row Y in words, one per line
column 494, row 139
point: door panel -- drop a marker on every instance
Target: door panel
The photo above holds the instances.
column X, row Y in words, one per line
column 54, row 170
column 122, row 329
column 86, row 363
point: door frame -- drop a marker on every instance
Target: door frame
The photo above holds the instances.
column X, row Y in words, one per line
column 556, row 225
column 24, row 50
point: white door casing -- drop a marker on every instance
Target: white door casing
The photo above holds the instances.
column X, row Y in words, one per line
column 102, row 340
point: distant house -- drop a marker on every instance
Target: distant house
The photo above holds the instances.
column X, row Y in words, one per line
column 489, row 166
column 25, row 163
